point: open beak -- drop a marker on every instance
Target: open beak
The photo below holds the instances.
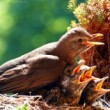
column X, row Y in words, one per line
column 99, row 88
column 81, row 77
column 87, row 75
column 77, row 69
column 92, row 43
column 84, row 77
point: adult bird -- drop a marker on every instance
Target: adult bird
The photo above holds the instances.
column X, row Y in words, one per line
column 46, row 64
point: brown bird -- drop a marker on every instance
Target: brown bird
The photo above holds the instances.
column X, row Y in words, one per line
column 46, row 64
column 94, row 91
column 56, row 91
column 74, row 86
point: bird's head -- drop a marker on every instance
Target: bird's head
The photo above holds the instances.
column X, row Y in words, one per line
column 78, row 40
column 99, row 87
column 74, row 86
column 77, row 82
column 94, row 90
column 86, row 73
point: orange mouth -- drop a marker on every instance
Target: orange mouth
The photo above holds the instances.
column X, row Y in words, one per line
column 81, row 77
column 87, row 75
column 98, row 87
column 77, row 69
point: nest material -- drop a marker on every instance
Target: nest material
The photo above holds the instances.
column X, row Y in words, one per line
column 23, row 102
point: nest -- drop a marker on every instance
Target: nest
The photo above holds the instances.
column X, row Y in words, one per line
column 25, row 102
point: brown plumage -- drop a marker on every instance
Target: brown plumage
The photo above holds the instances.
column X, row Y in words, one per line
column 94, row 91
column 74, row 86
column 44, row 65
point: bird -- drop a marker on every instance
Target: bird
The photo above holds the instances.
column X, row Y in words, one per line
column 74, row 86
column 56, row 91
column 46, row 64
column 94, row 90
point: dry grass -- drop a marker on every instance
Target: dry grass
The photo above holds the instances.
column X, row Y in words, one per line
column 23, row 102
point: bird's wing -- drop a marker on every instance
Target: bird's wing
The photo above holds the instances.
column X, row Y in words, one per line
column 36, row 72
column 11, row 64
column 22, row 59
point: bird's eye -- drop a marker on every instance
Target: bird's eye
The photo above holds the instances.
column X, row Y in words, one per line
column 80, row 40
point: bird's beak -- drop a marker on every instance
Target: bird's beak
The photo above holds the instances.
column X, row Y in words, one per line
column 81, row 77
column 90, row 42
column 97, row 35
column 87, row 75
column 77, row 69
column 99, row 88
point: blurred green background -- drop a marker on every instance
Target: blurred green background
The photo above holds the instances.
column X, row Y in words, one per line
column 28, row 24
